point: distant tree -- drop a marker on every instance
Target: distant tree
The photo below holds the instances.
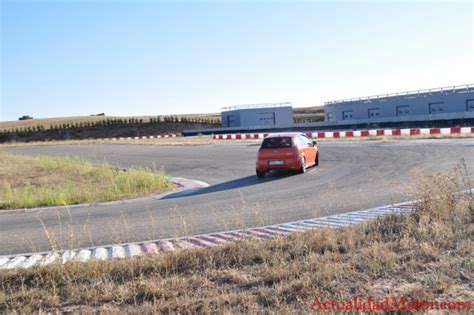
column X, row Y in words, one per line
column 25, row 117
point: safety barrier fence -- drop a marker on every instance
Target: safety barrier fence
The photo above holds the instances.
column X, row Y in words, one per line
column 361, row 133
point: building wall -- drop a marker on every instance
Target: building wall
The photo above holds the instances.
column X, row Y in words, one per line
column 265, row 116
column 402, row 106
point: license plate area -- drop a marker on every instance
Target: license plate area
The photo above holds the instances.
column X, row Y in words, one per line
column 276, row 162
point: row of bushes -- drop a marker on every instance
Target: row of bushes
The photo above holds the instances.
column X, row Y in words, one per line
column 111, row 122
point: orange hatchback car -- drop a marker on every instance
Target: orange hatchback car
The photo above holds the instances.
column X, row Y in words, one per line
column 286, row 151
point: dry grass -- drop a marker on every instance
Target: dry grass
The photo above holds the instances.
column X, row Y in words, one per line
column 308, row 114
column 308, row 110
column 428, row 255
column 49, row 181
column 179, row 141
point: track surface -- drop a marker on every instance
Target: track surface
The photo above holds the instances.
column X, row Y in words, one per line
column 351, row 176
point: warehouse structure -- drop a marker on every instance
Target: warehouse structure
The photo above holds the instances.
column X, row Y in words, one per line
column 455, row 102
column 440, row 107
column 268, row 115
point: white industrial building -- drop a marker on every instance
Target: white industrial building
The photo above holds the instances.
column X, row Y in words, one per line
column 456, row 102
column 267, row 115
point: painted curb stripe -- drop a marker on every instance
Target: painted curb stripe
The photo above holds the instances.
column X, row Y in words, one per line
column 200, row 241
column 225, row 237
column 3, row 261
column 84, row 255
column 15, row 262
column 49, row 259
column 31, row 261
column 100, row 253
column 290, row 228
column 140, row 138
column 214, row 240
column 166, row 246
column 305, row 226
column 150, row 248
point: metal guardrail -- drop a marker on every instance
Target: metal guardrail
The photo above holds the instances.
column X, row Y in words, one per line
column 448, row 89
column 252, row 106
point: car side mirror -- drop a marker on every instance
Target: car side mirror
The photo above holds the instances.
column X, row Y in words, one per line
column 314, row 143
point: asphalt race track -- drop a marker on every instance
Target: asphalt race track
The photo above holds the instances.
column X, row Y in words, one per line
column 351, row 176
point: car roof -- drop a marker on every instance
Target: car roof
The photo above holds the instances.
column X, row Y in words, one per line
column 285, row 134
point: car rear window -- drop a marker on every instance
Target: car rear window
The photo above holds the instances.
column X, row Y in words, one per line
column 271, row 143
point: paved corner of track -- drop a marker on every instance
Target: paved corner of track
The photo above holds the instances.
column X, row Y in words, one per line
column 351, row 176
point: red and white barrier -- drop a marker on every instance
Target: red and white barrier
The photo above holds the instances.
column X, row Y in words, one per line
column 142, row 137
column 361, row 133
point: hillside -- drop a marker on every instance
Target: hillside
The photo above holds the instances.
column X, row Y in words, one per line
column 308, row 114
column 101, row 126
column 300, row 114
column 56, row 121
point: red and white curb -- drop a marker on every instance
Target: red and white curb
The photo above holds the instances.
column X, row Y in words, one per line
column 361, row 133
column 198, row 241
column 142, row 137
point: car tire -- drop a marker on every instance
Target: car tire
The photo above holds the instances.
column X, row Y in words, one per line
column 316, row 160
column 302, row 169
column 260, row 174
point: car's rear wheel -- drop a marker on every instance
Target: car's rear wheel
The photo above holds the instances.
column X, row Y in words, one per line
column 260, row 174
column 316, row 160
column 303, row 165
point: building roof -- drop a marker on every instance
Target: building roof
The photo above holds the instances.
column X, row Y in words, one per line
column 253, row 106
column 443, row 90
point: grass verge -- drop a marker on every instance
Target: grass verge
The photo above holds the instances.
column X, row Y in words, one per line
column 29, row 181
column 198, row 140
column 427, row 255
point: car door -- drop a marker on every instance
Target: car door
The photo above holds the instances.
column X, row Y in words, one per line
column 309, row 150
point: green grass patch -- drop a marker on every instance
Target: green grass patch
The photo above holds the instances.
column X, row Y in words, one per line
column 53, row 181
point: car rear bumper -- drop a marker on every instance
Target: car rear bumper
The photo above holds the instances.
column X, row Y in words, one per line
column 289, row 164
